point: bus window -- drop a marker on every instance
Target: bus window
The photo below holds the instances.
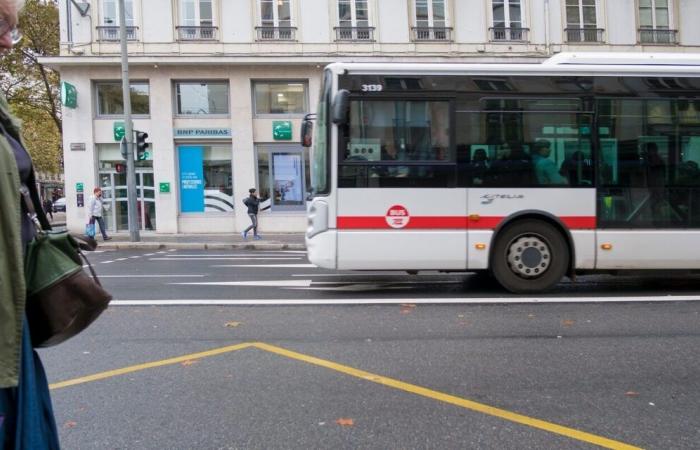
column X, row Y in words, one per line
column 648, row 171
column 398, row 143
column 524, row 142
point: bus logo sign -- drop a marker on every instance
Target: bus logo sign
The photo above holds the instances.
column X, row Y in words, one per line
column 397, row 216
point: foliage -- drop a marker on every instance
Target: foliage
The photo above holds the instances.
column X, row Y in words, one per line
column 31, row 88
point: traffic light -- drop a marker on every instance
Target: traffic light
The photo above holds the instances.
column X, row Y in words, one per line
column 141, row 146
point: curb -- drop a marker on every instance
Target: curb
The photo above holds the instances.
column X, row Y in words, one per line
column 198, row 246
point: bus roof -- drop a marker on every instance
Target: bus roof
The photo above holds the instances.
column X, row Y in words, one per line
column 578, row 64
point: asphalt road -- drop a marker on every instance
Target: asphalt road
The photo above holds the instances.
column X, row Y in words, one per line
column 403, row 375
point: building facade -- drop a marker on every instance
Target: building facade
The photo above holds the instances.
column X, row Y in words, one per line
column 221, row 86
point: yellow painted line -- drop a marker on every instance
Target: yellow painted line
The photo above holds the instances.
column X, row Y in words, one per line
column 151, row 365
column 464, row 403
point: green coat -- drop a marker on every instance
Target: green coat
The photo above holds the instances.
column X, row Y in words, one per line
column 12, row 285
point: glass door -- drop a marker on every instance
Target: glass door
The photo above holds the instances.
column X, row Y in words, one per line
column 114, row 192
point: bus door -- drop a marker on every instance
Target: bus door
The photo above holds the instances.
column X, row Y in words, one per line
column 649, row 184
column 397, row 207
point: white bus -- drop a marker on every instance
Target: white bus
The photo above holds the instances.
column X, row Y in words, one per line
column 584, row 163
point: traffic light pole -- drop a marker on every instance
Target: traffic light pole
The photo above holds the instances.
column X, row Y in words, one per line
column 129, row 132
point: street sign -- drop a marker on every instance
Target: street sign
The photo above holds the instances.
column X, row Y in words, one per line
column 79, row 187
column 119, row 130
column 69, row 95
column 282, row 130
column 164, row 188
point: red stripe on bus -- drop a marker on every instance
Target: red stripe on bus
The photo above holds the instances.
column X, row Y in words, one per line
column 450, row 222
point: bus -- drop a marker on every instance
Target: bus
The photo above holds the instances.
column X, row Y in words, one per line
column 583, row 163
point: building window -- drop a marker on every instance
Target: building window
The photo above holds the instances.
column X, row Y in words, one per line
column 581, row 21
column 109, row 30
column 283, row 176
column 201, row 98
column 196, row 20
column 655, row 22
column 431, row 21
column 110, row 99
column 353, row 21
column 206, row 181
column 508, row 22
column 280, row 97
column 275, row 20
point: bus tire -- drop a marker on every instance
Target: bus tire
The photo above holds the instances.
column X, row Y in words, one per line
column 529, row 256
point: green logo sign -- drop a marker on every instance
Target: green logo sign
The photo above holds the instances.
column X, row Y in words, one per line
column 69, row 95
column 282, row 130
column 164, row 187
column 79, row 187
column 119, row 130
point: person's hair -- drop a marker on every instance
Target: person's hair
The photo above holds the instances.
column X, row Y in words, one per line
column 96, row 190
column 542, row 144
column 251, row 190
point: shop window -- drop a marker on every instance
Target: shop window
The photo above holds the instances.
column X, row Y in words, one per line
column 206, row 182
column 280, row 97
column 283, row 176
column 201, row 98
column 110, row 100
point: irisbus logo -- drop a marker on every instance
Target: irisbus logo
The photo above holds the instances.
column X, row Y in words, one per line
column 397, row 216
column 487, row 199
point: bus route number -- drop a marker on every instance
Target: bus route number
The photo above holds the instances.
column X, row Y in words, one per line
column 372, row 88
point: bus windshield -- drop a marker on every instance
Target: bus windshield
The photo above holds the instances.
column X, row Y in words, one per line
column 320, row 152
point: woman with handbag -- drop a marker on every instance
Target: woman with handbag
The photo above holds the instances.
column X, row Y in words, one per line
column 26, row 415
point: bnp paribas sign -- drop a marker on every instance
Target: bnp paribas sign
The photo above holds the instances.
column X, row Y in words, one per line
column 202, row 133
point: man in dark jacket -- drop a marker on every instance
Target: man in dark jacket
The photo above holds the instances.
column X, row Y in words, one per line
column 252, row 202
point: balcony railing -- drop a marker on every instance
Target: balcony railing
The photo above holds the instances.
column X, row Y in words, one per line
column 111, row 33
column 203, row 33
column 584, row 34
column 354, row 33
column 276, row 33
column 432, row 33
column 509, row 34
column 651, row 36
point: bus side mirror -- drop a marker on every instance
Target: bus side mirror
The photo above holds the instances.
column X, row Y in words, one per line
column 307, row 132
column 341, row 107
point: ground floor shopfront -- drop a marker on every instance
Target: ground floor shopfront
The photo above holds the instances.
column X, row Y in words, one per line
column 213, row 134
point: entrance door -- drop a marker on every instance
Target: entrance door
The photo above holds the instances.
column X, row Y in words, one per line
column 115, row 196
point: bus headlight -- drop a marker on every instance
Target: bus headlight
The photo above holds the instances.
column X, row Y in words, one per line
column 318, row 218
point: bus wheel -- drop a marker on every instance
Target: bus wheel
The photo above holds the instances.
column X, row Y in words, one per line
column 529, row 256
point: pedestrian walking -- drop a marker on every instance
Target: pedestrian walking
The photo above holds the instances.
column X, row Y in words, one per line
column 48, row 208
column 95, row 212
column 26, row 414
column 253, row 203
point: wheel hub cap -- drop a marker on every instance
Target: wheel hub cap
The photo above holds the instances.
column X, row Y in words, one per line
column 529, row 256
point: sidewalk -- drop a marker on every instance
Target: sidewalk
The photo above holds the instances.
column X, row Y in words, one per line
column 151, row 240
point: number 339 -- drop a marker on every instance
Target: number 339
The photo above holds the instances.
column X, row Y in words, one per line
column 372, row 88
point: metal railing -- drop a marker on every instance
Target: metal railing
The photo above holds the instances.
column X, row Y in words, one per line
column 354, row 33
column 276, row 33
column 111, row 33
column 509, row 34
column 203, row 33
column 431, row 33
column 584, row 34
column 651, row 36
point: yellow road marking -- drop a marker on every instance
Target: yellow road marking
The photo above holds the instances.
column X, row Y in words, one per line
column 151, row 365
column 464, row 403
column 396, row 384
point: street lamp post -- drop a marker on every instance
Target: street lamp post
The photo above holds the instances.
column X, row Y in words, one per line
column 129, row 132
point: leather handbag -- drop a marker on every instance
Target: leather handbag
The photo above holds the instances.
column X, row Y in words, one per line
column 62, row 299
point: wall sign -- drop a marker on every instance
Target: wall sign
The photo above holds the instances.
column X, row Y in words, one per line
column 164, row 188
column 282, row 130
column 202, row 133
column 69, row 95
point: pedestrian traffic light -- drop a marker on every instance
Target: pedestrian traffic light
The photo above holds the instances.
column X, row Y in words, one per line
column 141, row 146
